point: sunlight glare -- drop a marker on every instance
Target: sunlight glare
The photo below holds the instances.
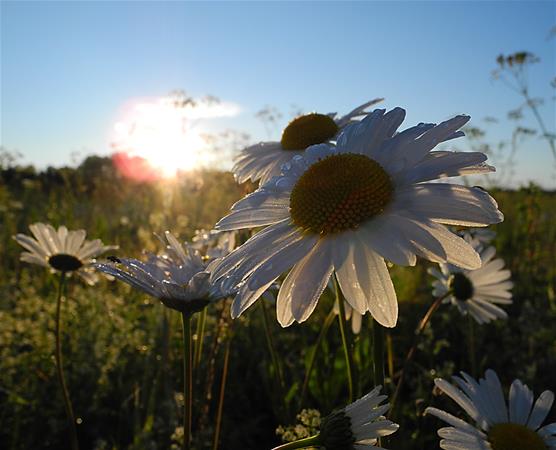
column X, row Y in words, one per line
column 165, row 134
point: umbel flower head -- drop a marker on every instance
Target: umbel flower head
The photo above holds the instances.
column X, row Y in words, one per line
column 357, row 426
column 476, row 292
column 61, row 250
column 264, row 160
column 178, row 279
column 346, row 209
column 517, row 426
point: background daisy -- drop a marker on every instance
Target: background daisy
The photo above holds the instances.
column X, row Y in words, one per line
column 476, row 292
column 62, row 250
column 178, row 279
column 517, row 426
column 265, row 159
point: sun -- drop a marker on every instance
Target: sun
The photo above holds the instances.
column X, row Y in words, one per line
column 162, row 133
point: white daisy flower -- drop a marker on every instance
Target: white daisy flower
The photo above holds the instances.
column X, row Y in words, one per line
column 476, row 292
column 497, row 427
column 178, row 279
column 61, row 250
column 264, row 160
column 345, row 209
column 357, row 426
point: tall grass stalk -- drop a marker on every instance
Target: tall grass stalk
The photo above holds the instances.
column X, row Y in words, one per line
column 347, row 353
column 187, row 380
column 222, row 394
column 59, row 368
column 418, row 332
column 322, row 334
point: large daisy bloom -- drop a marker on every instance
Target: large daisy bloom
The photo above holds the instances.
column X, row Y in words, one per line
column 497, row 427
column 476, row 292
column 345, row 209
column 357, row 426
column 264, row 160
column 178, row 278
column 62, row 250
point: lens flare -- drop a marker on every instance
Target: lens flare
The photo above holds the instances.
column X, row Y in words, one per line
column 166, row 134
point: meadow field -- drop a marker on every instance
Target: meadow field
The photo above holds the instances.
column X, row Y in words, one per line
column 122, row 348
column 277, row 225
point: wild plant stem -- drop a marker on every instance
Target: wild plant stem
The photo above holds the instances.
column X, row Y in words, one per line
column 347, row 354
column 378, row 359
column 327, row 323
column 542, row 126
column 187, row 380
column 471, row 337
column 378, row 354
column 313, row 441
column 221, row 396
column 273, row 355
column 59, row 368
column 200, row 333
column 418, row 332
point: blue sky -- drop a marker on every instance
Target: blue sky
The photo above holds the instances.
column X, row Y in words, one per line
column 69, row 67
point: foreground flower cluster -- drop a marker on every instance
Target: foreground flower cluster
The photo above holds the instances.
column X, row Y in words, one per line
column 339, row 199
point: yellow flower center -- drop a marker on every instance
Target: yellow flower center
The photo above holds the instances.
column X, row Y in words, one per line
column 64, row 262
column 512, row 436
column 308, row 130
column 338, row 193
column 461, row 287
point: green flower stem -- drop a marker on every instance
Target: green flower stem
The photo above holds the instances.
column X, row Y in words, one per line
column 342, row 322
column 378, row 354
column 59, row 368
column 200, row 333
column 272, row 350
column 327, row 323
column 221, row 396
column 471, row 346
column 418, row 332
column 378, row 358
column 187, row 380
column 313, row 441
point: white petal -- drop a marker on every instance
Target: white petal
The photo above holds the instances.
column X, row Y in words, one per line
column 262, row 241
column 452, row 420
column 259, row 281
column 250, row 218
column 458, row 396
column 62, row 235
column 42, row 234
column 304, row 284
column 541, row 410
column 450, row 204
column 343, row 256
column 33, row 259
column 74, row 240
column 385, row 237
column 521, row 399
column 442, row 164
column 32, row 245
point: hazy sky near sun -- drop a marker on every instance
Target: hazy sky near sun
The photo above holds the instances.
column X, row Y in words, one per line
column 68, row 69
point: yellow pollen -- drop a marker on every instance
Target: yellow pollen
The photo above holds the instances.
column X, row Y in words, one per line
column 512, row 436
column 339, row 193
column 308, row 130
